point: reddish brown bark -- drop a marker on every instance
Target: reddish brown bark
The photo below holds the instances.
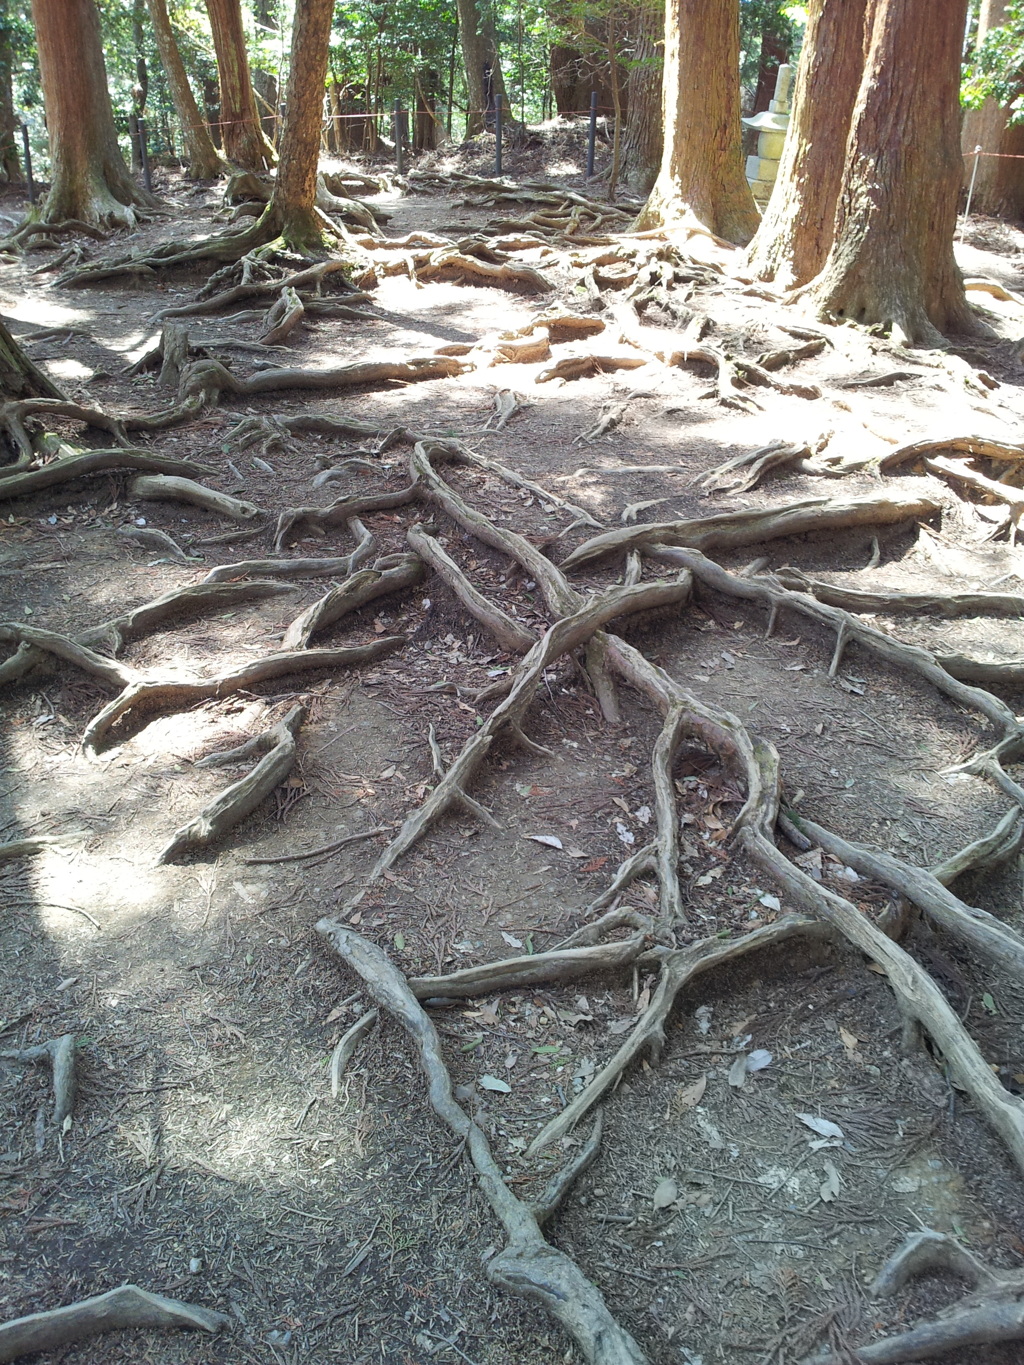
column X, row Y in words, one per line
column 242, row 136
column 891, row 261
column 485, row 85
column 999, row 183
column 200, row 153
column 89, row 179
column 701, row 173
column 642, row 135
column 793, row 241
column 292, row 209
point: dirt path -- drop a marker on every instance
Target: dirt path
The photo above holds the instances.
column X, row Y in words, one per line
column 208, row 1158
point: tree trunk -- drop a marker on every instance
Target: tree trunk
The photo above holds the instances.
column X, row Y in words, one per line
column 200, row 153
column 10, row 166
column 999, row 184
column 774, row 51
column 265, row 82
column 642, row 136
column 891, row 261
column 241, row 131
column 89, row 179
column 702, row 164
column 485, row 85
column 292, row 209
column 793, row 241
column 425, row 121
column 19, row 378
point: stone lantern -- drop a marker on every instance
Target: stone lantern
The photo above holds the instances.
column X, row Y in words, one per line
column 771, row 126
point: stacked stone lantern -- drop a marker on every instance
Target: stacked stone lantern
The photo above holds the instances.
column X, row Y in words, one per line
column 763, row 167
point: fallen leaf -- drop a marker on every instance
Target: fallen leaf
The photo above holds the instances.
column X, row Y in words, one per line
column 494, row 1083
column 850, row 1041
column 823, row 1127
column 620, row 1025
column 511, row 940
column 667, row 1192
column 576, row 853
column 687, row 1096
column 399, row 941
column 389, row 771
column 988, row 1003
column 551, row 840
column 643, row 815
column 759, row 1059
column 738, row 1072
column 624, row 834
column 702, row 1017
column 770, row 902
column 830, row 1185
column 594, row 865
column 708, row 877
column 643, row 1000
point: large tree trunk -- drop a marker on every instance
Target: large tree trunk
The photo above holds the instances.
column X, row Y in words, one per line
column 19, row 378
column 793, row 241
column 642, row 136
column 999, row 184
column 89, row 179
column 10, row 168
column 241, row 131
column 485, row 85
column 701, row 173
column 200, row 153
column 264, row 82
column 891, row 261
column 292, row 208
column 774, row 51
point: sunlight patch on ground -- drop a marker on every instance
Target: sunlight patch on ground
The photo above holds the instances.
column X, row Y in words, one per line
column 68, row 369
column 43, row 312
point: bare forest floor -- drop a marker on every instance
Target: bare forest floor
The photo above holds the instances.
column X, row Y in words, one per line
column 207, row 1158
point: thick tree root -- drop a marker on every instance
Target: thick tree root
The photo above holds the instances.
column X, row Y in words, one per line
column 524, row 973
column 142, row 696
column 993, row 1313
column 1000, row 492
column 979, row 931
column 309, row 280
column 364, row 586
column 976, row 446
column 729, row 530
column 237, row 802
column 676, row 969
column 847, row 627
column 127, row 1306
column 113, row 635
column 744, row 472
column 912, row 603
column 509, row 633
column 160, row 488
column 61, row 1055
column 90, row 462
column 282, row 318
column 528, row 1266
column 985, row 854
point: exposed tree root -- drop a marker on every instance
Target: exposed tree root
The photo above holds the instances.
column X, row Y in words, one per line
column 985, row 854
column 162, row 488
column 528, row 1266
column 34, row 843
column 346, row 1048
column 994, row 1312
column 848, row 628
column 283, row 318
column 364, row 586
column 536, row 969
column 90, row 462
column 959, row 445
column 977, row 930
column 729, row 530
column 127, row 1306
column 1001, row 492
column 238, row 801
column 509, row 633
column 912, row 603
column 449, row 261
column 60, row 1054
column 744, row 472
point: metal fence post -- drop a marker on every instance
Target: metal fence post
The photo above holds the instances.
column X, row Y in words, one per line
column 498, row 111
column 147, row 177
column 28, row 164
column 592, row 135
column 399, row 148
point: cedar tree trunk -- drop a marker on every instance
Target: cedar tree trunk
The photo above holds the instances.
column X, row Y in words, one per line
column 264, row 82
column 200, row 153
column 642, row 136
column 793, row 241
column 292, row 209
column 10, row 168
column 701, row 173
column 19, row 378
column 891, row 262
column 89, row 179
column 999, row 184
column 485, row 85
column 241, row 131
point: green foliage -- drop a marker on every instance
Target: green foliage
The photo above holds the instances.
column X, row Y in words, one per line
column 996, row 68
column 760, row 19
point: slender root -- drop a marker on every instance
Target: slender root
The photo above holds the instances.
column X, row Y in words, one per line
column 346, row 1048
column 523, row 973
column 60, row 1054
